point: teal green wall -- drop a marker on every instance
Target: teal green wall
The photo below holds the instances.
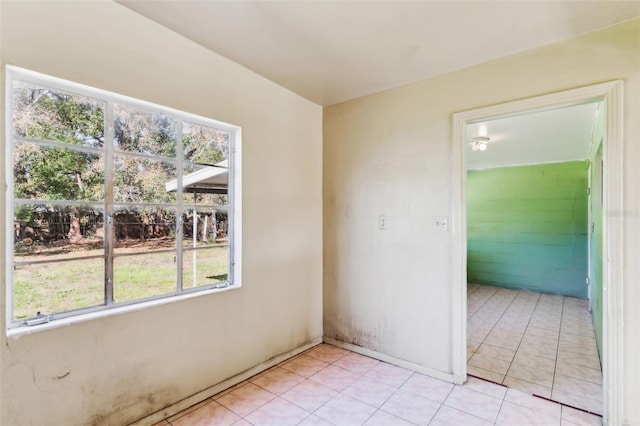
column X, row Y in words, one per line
column 527, row 227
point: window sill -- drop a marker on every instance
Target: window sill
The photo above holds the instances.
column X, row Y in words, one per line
column 23, row 330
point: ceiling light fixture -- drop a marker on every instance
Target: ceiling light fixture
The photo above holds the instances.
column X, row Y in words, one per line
column 480, row 143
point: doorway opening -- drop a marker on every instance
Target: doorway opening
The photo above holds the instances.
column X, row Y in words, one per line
column 605, row 293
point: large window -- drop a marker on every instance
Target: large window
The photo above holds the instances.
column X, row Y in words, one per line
column 113, row 201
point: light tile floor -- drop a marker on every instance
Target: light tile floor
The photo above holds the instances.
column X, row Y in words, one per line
column 327, row 385
column 537, row 343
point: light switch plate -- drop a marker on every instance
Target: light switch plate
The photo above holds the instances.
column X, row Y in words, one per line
column 441, row 223
column 383, row 222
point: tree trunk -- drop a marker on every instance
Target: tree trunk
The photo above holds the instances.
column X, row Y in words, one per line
column 74, row 235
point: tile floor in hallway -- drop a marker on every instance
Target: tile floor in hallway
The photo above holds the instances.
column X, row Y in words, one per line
column 538, row 343
column 327, row 385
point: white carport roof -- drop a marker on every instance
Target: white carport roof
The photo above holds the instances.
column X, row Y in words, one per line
column 212, row 180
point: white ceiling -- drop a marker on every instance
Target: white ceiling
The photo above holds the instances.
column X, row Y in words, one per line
column 541, row 137
column 333, row 51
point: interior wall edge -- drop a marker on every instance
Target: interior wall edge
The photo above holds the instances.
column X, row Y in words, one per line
column 183, row 404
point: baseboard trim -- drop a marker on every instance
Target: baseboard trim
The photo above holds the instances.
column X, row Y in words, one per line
column 448, row 377
column 183, row 404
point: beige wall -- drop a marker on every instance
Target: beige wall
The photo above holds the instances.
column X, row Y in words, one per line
column 121, row 368
column 389, row 153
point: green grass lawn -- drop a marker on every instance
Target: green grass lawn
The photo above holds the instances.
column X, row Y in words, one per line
column 76, row 284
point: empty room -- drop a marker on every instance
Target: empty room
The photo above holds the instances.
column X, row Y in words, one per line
column 267, row 213
column 534, row 320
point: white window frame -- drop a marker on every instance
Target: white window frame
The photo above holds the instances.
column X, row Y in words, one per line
column 234, row 209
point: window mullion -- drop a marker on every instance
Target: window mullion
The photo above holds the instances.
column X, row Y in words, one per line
column 109, row 225
column 179, row 202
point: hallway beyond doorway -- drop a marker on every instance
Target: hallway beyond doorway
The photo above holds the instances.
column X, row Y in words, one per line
column 537, row 343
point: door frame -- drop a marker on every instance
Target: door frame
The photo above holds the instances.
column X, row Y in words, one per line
column 596, row 154
column 611, row 93
column 589, row 230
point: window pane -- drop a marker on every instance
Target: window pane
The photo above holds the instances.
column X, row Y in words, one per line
column 144, row 275
column 50, row 173
column 207, row 185
column 55, row 235
column 204, row 145
column 44, row 113
column 50, row 232
column 143, row 229
column 210, row 227
column 205, row 256
column 142, row 132
column 49, row 288
column 205, row 266
column 143, row 181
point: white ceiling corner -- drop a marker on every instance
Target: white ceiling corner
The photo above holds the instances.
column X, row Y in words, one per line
column 333, row 51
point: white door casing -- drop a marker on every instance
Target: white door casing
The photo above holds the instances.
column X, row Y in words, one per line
column 612, row 287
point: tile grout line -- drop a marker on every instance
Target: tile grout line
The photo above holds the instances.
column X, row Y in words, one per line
column 494, row 325
column 496, row 322
column 514, row 357
column 478, row 286
column 292, row 372
column 341, row 391
column 376, row 408
column 575, row 378
column 483, row 304
column 555, row 364
column 467, row 413
column 327, row 401
column 495, row 422
column 393, row 393
column 441, row 404
column 413, row 372
column 520, row 342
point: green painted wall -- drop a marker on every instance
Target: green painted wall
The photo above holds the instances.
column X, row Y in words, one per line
column 527, row 227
